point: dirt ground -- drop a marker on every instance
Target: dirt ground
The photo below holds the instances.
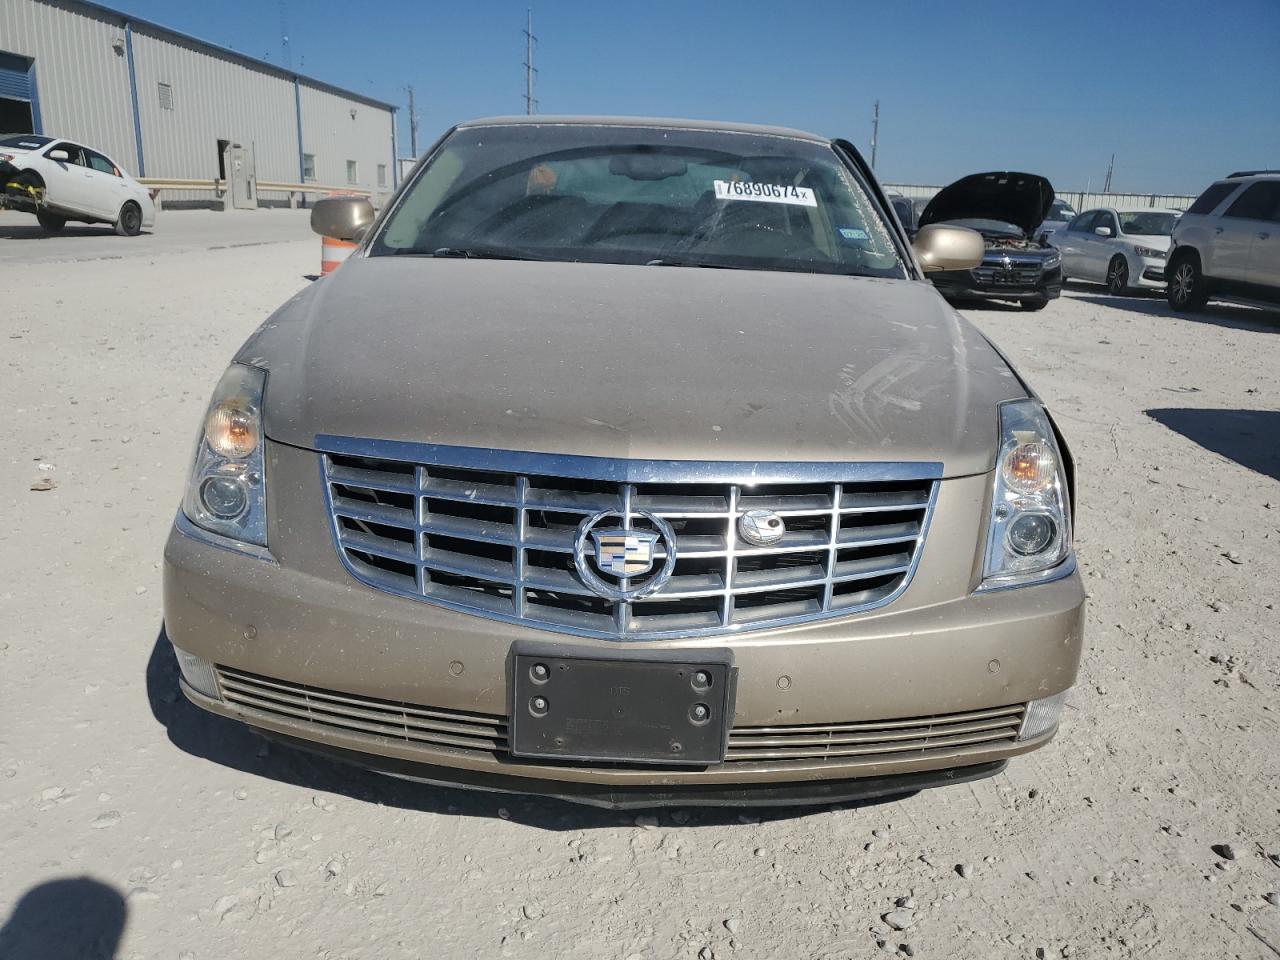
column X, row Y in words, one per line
column 134, row 826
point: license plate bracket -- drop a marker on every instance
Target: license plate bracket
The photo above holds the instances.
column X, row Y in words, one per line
column 656, row 707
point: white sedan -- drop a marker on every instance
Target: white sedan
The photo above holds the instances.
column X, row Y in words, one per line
column 59, row 180
column 1124, row 248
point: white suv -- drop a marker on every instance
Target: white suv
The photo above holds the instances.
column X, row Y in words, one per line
column 1227, row 245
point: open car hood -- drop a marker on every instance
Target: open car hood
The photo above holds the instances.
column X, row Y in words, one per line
column 1022, row 199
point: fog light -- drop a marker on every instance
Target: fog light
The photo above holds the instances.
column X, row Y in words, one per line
column 197, row 673
column 224, row 497
column 1041, row 716
column 1031, row 533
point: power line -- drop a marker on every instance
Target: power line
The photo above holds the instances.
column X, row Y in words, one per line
column 530, row 100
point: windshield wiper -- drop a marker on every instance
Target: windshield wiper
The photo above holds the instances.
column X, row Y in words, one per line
column 669, row 262
column 483, row 253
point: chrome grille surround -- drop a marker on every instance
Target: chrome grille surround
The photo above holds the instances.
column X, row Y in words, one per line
column 492, row 533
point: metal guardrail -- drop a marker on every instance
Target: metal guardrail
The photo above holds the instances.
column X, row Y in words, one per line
column 263, row 186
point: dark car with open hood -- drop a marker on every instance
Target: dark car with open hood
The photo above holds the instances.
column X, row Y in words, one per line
column 1005, row 208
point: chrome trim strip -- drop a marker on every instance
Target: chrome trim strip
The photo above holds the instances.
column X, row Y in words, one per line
column 512, row 462
column 182, row 523
column 1063, row 570
column 742, row 472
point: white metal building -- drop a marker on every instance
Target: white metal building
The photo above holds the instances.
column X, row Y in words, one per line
column 163, row 104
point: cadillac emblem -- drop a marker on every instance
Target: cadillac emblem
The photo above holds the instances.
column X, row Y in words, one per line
column 624, row 553
column 610, row 556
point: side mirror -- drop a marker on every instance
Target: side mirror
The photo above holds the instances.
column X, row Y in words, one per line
column 1102, row 231
column 942, row 247
column 343, row 218
column 61, row 156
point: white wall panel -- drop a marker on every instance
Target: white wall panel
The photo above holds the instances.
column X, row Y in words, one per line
column 82, row 78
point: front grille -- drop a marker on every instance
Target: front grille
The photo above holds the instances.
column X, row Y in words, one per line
column 428, row 726
column 437, row 727
column 887, row 739
column 501, row 543
column 1018, row 271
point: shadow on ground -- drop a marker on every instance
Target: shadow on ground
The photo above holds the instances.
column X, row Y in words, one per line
column 33, row 231
column 1249, row 437
column 1220, row 314
column 233, row 744
column 76, row 918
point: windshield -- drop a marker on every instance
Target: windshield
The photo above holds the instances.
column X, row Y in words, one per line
column 1060, row 212
column 1147, row 223
column 25, row 141
column 641, row 195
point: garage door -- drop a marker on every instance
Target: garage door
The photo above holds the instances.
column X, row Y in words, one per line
column 19, row 110
column 15, row 80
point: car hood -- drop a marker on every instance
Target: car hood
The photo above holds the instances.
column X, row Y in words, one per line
column 659, row 363
column 1023, row 199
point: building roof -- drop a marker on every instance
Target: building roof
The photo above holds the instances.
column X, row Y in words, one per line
column 649, row 122
column 224, row 52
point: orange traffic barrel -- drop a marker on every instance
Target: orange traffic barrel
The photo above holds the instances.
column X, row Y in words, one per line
column 332, row 253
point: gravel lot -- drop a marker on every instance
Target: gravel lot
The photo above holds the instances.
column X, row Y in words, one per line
column 133, row 825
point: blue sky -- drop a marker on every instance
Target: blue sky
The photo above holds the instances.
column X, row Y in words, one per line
column 1182, row 91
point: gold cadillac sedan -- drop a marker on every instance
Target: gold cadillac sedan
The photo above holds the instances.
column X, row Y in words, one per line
column 632, row 462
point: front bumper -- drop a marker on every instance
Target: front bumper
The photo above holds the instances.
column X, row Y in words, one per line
column 963, row 285
column 1150, row 273
column 293, row 627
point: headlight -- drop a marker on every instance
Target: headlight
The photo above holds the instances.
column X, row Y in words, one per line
column 1030, row 528
column 1149, row 252
column 225, row 494
column 1051, row 260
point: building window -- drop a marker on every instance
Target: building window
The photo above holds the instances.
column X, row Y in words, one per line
column 166, row 96
column 308, row 166
column 353, row 172
column 382, row 174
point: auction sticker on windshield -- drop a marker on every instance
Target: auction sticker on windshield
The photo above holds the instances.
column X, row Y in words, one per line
column 765, row 192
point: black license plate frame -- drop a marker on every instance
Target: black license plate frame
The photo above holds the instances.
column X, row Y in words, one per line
column 626, row 707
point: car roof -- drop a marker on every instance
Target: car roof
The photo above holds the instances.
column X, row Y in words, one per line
column 1142, row 209
column 666, row 122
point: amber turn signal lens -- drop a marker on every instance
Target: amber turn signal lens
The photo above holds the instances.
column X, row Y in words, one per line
column 232, row 431
column 1028, row 468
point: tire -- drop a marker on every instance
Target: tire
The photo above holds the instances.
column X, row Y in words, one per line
column 1187, row 288
column 1118, row 276
column 50, row 222
column 1039, row 303
column 129, row 223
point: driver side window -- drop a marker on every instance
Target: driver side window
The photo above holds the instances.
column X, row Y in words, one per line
column 1082, row 223
column 100, row 163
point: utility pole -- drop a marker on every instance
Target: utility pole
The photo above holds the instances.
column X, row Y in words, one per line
column 413, row 125
column 286, row 55
column 875, row 134
column 1106, row 187
column 530, row 102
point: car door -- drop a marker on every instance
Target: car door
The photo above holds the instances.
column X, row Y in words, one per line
column 1236, row 231
column 108, row 190
column 1264, row 252
column 1070, row 241
column 65, row 183
column 1101, row 249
